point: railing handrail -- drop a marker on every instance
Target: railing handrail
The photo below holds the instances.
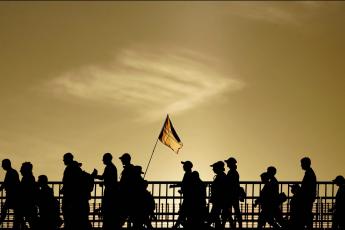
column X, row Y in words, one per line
column 168, row 201
column 207, row 182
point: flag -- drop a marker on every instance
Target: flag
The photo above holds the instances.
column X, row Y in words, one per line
column 169, row 137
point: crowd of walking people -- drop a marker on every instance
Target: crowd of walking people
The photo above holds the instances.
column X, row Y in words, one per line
column 128, row 200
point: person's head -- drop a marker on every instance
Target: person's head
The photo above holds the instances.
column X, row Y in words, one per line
column 107, row 158
column 264, row 177
column 295, row 188
column 196, row 176
column 42, row 180
column 125, row 159
column 26, row 169
column 6, row 164
column 138, row 170
column 218, row 167
column 187, row 166
column 231, row 163
column 339, row 180
column 271, row 171
column 305, row 163
column 68, row 158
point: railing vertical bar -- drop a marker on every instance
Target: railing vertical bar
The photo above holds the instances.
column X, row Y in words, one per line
column 168, row 203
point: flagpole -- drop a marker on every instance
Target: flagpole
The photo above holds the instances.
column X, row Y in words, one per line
column 154, row 148
column 147, row 167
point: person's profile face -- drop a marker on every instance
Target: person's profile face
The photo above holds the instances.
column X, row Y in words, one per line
column 185, row 168
column 125, row 162
column 67, row 161
column 5, row 165
column 303, row 165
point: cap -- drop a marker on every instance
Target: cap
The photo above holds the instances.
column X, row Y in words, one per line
column 125, row 156
column 218, row 164
column 138, row 169
column 187, row 164
column 231, row 160
column 339, row 179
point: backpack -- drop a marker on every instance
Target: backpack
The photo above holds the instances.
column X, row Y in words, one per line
column 282, row 198
column 87, row 181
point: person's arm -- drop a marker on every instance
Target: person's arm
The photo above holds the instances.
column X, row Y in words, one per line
column 3, row 184
column 96, row 176
column 177, row 185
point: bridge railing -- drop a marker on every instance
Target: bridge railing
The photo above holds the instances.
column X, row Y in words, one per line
column 168, row 202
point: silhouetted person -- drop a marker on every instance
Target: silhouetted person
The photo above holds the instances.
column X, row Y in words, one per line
column 11, row 186
column 295, row 221
column 187, row 192
column 28, row 196
column 198, row 203
column 219, row 196
column 267, row 203
column 109, row 206
column 339, row 206
column 76, row 194
column 126, row 188
column 48, row 205
column 144, row 203
column 275, row 199
column 69, row 191
column 234, row 192
column 308, row 192
column 149, row 207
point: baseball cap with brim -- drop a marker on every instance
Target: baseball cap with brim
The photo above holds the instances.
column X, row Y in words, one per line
column 139, row 169
column 339, row 179
column 187, row 163
column 125, row 156
column 231, row 160
column 218, row 164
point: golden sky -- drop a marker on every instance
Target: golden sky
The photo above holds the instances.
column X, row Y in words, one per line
column 260, row 81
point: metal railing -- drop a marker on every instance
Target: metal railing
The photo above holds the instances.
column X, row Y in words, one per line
column 168, row 201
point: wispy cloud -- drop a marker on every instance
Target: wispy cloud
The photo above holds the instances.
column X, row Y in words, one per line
column 271, row 14
column 286, row 13
column 152, row 83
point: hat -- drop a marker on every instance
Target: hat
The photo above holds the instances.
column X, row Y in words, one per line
column 138, row 169
column 125, row 156
column 218, row 164
column 339, row 179
column 187, row 164
column 231, row 160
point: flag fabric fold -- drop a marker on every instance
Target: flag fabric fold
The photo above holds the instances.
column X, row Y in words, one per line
column 169, row 137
